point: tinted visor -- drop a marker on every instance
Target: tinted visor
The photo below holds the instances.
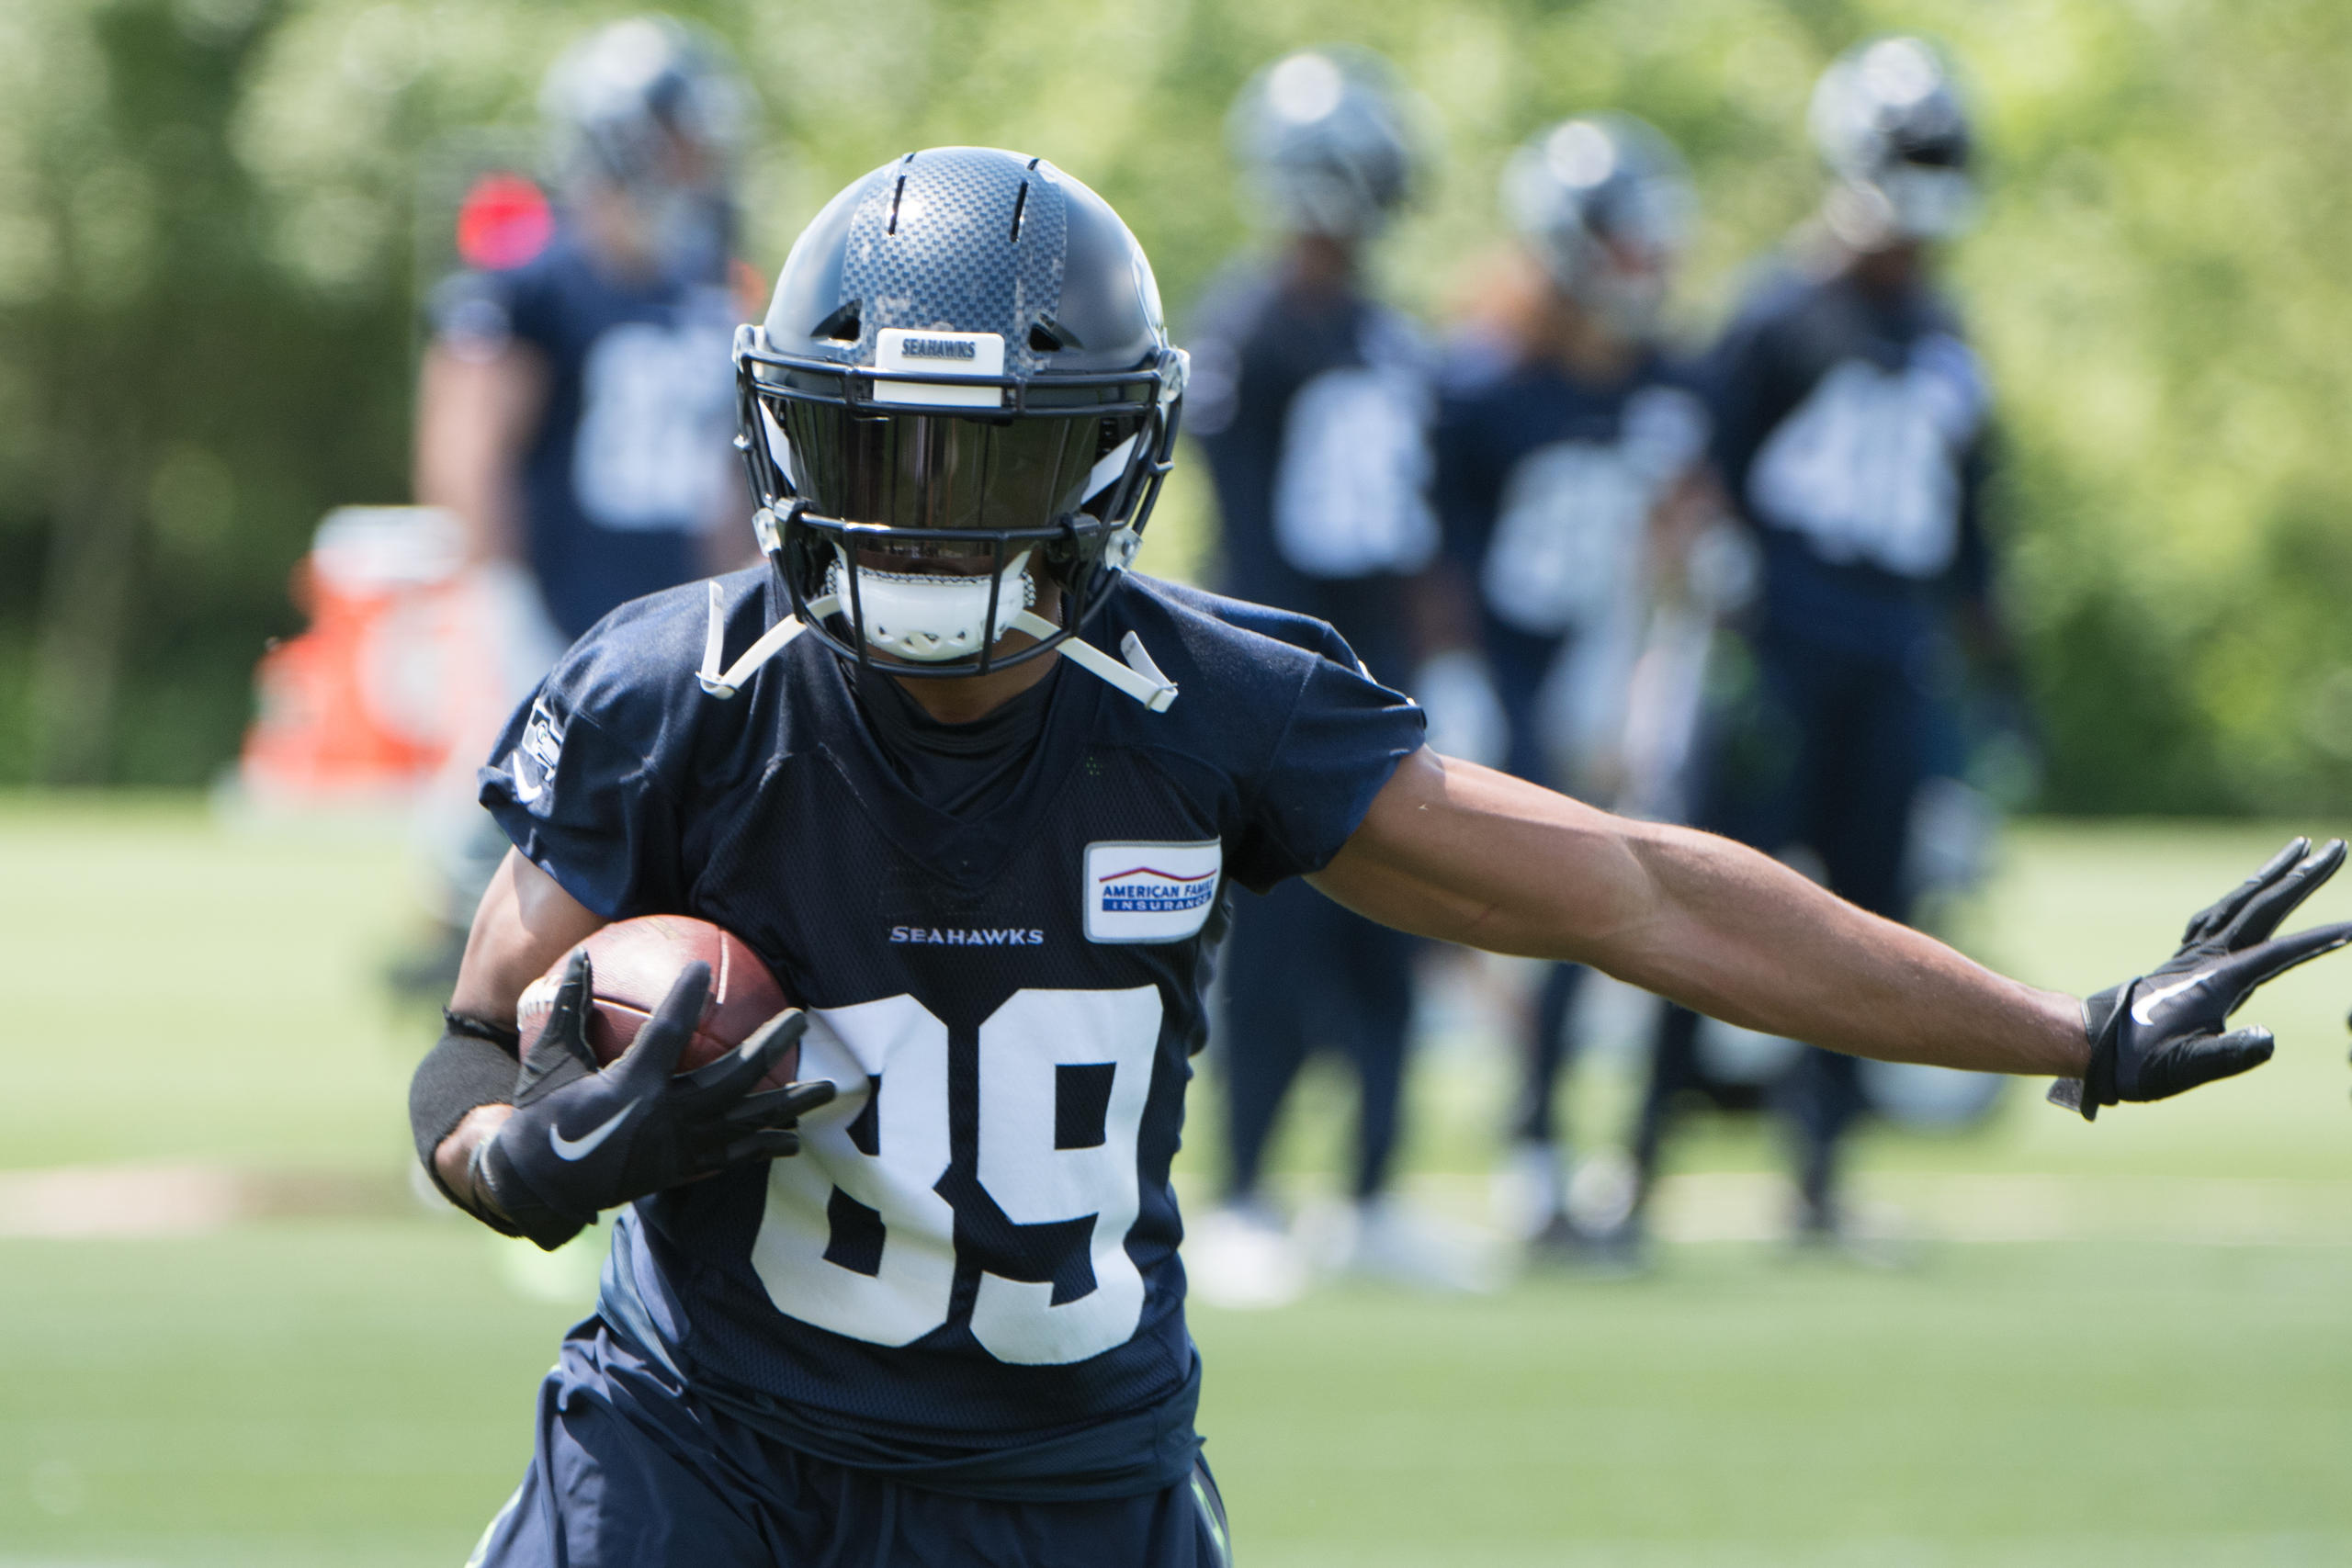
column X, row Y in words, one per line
column 939, row 470
column 1942, row 149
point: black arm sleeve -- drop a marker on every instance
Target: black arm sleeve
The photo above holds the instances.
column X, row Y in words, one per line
column 473, row 1064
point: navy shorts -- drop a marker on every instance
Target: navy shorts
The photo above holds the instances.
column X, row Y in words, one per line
column 631, row 1472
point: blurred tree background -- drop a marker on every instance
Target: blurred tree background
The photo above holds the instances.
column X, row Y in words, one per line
column 210, row 265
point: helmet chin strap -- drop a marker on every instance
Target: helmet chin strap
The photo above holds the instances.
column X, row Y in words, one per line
column 1139, row 677
column 773, row 641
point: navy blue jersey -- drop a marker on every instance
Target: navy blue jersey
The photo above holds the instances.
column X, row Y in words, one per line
column 631, row 460
column 1545, row 481
column 1545, row 484
column 1850, row 431
column 1313, row 410
column 968, row 1276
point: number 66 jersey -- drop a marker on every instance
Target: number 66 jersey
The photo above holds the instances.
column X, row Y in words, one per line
column 968, row 1277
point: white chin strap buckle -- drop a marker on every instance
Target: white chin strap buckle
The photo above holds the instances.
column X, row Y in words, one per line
column 924, row 618
column 725, row 684
column 1139, row 677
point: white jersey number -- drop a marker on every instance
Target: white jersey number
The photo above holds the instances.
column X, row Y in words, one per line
column 1867, row 468
column 878, row 1175
column 655, row 412
column 1351, row 496
column 1568, row 541
column 1566, row 551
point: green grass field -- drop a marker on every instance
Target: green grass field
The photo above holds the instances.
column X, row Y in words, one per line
column 2163, row 1378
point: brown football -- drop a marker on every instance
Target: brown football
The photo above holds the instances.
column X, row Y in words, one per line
column 633, row 963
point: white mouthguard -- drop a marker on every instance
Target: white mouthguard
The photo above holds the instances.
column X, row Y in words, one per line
column 926, row 619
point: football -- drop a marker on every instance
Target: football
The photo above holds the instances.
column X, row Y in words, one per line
column 632, row 965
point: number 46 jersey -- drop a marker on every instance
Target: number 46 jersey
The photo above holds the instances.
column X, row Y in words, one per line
column 968, row 1277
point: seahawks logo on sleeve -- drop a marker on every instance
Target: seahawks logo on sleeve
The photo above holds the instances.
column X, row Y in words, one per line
column 532, row 763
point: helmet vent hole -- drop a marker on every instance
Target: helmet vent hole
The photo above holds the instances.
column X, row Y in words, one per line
column 1020, row 205
column 898, row 193
column 1046, row 338
column 842, row 326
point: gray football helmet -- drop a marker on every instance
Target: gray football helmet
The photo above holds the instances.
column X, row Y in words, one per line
column 1324, row 141
column 652, row 107
column 1888, row 120
column 615, row 98
column 1604, row 200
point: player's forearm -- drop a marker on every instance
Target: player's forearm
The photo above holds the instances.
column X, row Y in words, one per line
column 1465, row 854
column 1738, row 936
column 473, row 414
column 474, row 488
column 460, row 1097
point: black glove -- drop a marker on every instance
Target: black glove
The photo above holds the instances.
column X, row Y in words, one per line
column 2162, row 1034
column 583, row 1139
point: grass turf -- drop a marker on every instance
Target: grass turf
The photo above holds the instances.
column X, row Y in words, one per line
column 359, row 1391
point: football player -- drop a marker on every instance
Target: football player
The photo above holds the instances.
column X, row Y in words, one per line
column 977, row 794
column 1852, row 434
column 574, row 409
column 1311, row 401
column 1570, row 451
column 568, row 411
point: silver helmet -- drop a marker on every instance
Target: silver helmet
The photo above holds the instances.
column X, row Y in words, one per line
column 1888, row 120
column 1604, row 200
column 653, row 108
column 1325, row 142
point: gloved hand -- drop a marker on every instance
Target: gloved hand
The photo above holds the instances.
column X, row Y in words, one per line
column 2160, row 1033
column 583, row 1139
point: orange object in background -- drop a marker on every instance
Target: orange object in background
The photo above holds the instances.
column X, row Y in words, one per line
column 401, row 661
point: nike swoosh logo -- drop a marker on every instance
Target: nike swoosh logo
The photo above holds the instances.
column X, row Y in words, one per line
column 530, row 778
column 2161, row 994
column 584, row 1145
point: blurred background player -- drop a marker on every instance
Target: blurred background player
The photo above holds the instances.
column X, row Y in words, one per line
column 1570, row 455
column 1312, row 402
column 1851, row 434
column 576, row 406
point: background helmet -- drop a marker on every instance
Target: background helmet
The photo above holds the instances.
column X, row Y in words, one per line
column 1324, row 141
column 1604, row 201
column 1888, row 121
column 653, row 109
column 964, row 386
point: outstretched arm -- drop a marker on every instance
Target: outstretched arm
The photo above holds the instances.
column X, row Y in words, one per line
column 476, row 405
column 1458, row 851
column 1455, row 851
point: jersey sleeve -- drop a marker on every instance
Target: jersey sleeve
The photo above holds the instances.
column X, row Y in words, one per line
column 1346, row 735
column 582, row 802
column 482, row 311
